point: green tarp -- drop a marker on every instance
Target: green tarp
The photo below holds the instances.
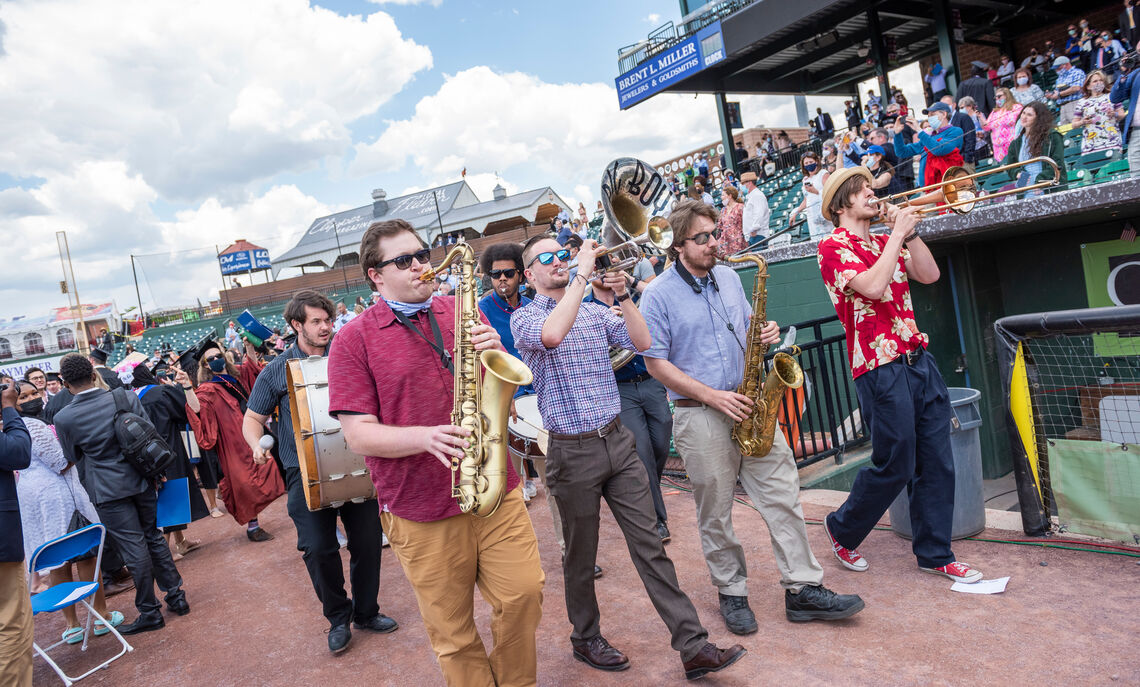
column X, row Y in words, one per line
column 1097, row 487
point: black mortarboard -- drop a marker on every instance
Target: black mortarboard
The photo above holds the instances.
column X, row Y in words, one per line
column 100, row 355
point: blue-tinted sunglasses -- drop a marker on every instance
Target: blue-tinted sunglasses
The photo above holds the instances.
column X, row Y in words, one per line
column 548, row 257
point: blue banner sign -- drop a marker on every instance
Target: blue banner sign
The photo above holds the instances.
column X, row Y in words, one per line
column 703, row 49
column 244, row 261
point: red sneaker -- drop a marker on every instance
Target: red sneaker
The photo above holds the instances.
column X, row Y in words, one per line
column 957, row 571
column 850, row 558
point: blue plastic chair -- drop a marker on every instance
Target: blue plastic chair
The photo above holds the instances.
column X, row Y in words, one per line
column 58, row 597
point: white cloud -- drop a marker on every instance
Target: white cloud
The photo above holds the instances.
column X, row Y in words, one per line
column 433, row 3
column 200, row 98
column 653, row 18
column 539, row 133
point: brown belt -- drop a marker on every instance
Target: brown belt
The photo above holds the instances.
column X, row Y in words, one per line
column 688, row 403
column 599, row 433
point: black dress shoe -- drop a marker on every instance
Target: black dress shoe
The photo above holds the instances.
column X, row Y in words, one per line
column 180, row 607
column 738, row 616
column 820, row 603
column 143, row 624
column 711, row 659
column 339, row 637
column 596, row 652
column 258, row 534
column 378, row 623
column 663, row 532
column 597, row 571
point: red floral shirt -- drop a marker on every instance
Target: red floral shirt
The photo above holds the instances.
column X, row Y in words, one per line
column 878, row 329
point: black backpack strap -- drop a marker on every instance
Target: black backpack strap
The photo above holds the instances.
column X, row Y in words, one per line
column 121, row 404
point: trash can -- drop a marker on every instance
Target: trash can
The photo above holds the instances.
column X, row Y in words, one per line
column 966, row 446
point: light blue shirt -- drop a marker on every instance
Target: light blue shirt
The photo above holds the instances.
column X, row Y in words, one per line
column 691, row 330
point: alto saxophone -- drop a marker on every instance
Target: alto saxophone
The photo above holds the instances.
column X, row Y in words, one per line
column 755, row 434
column 485, row 382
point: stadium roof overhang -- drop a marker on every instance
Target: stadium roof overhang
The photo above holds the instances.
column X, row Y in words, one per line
column 823, row 46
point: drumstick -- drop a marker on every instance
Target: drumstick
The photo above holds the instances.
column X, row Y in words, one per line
column 525, row 422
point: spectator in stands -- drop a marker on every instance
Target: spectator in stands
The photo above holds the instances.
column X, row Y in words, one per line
column 125, row 502
column 1002, row 122
column 968, row 107
column 1126, row 90
column 703, row 164
column 1088, row 40
column 1067, row 90
column 904, row 173
column 232, row 335
column 1072, row 44
column 1024, row 90
column 1038, row 138
column 756, row 214
column 900, row 100
column 938, row 150
column 730, row 223
column 1050, row 53
column 875, row 117
column 343, row 316
column 851, row 114
column 1005, row 71
column 1108, row 51
column 851, row 149
column 815, row 176
column 1096, row 113
column 830, row 159
column 977, row 87
column 740, row 154
column 826, row 124
column 1129, row 20
column 936, row 79
column 1034, row 61
column 963, row 122
column 884, row 181
column 814, row 132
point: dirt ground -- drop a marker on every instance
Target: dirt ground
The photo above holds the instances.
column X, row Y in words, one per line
column 1067, row 617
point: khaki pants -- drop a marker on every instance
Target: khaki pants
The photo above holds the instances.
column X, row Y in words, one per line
column 703, row 437
column 15, row 627
column 1134, row 150
column 445, row 560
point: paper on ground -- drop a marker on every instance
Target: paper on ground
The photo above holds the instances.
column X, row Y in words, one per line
column 984, row 587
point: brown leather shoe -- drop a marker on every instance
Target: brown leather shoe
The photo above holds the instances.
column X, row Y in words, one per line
column 711, row 659
column 596, row 652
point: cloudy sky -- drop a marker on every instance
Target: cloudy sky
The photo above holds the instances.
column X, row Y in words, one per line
column 162, row 129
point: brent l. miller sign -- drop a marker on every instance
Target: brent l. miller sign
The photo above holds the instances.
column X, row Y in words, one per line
column 703, row 49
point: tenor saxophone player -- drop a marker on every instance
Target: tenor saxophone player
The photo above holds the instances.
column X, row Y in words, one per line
column 391, row 386
column 699, row 316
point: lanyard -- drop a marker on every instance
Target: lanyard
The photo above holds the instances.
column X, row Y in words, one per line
column 444, row 354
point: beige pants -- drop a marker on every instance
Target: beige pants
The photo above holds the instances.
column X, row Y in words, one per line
column 703, row 437
column 15, row 627
column 445, row 560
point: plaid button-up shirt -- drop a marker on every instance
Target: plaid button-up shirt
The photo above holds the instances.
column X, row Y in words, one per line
column 575, row 381
column 1073, row 76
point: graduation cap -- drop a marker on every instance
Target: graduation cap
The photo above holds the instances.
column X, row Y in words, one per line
column 100, row 355
column 188, row 359
column 54, row 377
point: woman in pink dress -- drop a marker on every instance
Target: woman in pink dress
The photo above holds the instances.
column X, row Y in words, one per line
column 731, row 222
column 1002, row 121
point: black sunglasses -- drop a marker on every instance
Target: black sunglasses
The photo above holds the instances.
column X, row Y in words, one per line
column 703, row 237
column 403, row 262
column 508, row 273
column 548, row 257
column 213, row 357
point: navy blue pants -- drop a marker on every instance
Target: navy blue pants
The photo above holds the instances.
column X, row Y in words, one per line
column 907, row 409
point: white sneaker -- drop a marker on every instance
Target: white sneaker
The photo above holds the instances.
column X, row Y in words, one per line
column 529, row 489
column 383, row 540
column 957, row 571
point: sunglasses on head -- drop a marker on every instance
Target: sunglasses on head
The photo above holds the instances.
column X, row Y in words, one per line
column 508, row 273
column 548, row 257
column 703, row 237
column 403, row 262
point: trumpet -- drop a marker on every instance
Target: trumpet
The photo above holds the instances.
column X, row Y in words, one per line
column 958, row 190
column 629, row 253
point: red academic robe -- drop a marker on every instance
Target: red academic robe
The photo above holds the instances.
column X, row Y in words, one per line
column 247, row 487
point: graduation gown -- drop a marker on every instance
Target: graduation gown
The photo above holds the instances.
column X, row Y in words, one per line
column 247, row 488
column 165, row 404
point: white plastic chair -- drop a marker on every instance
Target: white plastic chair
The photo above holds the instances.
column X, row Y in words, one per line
column 58, row 597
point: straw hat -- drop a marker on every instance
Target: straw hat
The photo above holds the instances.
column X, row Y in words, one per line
column 834, row 182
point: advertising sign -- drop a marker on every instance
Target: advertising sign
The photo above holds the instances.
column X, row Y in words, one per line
column 244, row 261
column 699, row 51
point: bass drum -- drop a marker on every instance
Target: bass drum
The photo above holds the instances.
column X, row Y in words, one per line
column 330, row 473
column 528, row 438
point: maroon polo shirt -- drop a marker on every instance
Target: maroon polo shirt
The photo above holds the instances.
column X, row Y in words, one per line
column 379, row 367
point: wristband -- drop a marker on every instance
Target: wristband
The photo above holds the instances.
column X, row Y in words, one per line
column 622, row 298
column 913, row 236
column 187, row 388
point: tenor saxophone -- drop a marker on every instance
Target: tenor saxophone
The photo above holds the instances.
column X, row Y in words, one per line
column 755, row 434
column 485, row 382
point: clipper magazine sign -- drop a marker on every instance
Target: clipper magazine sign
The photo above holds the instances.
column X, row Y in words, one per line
column 703, row 49
column 244, row 261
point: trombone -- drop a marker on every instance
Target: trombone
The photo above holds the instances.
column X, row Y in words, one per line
column 628, row 253
column 958, row 190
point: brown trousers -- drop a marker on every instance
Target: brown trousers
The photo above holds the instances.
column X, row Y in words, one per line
column 579, row 473
column 445, row 560
column 15, row 627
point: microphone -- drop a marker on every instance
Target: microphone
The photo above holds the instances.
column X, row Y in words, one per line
column 266, row 442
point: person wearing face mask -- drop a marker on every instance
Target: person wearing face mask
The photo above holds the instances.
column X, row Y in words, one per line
column 884, row 180
column 1108, row 51
column 1067, row 90
column 815, row 176
column 1126, row 94
column 247, row 486
column 1034, row 61
column 938, row 150
column 1024, row 90
column 1002, row 122
column 1005, row 70
column 1088, row 44
column 50, row 496
column 1096, row 113
column 1072, row 43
